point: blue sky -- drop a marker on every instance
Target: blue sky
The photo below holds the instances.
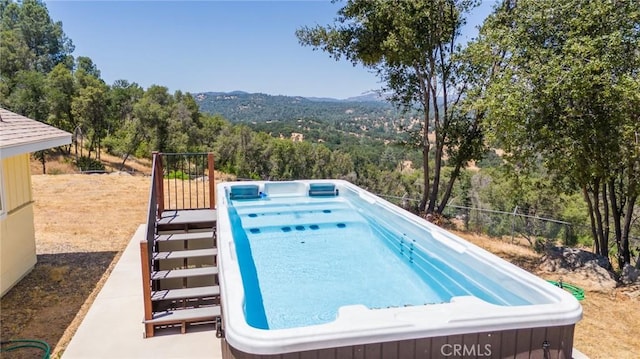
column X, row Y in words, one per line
column 199, row 46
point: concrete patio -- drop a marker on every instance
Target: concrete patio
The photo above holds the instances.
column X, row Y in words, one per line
column 113, row 325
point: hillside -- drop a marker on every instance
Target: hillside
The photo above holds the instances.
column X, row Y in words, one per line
column 241, row 106
column 315, row 118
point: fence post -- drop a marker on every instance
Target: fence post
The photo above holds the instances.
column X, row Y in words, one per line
column 513, row 224
column 212, row 182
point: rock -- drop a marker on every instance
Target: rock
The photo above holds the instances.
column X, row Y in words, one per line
column 584, row 268
column 629, row 275
column 120, row 173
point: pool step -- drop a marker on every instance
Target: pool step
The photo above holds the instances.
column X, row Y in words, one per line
column 184, row 236
column 183, row 317
column 185, row 254
column 184, row 273
column 186, row 293
column 185, row 220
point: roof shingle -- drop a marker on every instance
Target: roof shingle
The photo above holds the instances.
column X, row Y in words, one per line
column 19, row 134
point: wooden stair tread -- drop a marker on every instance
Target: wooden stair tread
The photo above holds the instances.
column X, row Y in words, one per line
column 189, row 253
column 188, row 216
column 185, row 315
column 184, row 236
column 185, row 293
column 183, row 273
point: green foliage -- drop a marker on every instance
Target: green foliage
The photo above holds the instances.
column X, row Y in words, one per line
column 177, row 175
column 575, row 103
column 28, row 96
column 31, row 42
column 89, row 108
column 490, row 159
column 89, row 164
column 59, row 92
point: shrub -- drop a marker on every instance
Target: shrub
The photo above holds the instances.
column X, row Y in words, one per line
column 89, row 164
column 178, row 175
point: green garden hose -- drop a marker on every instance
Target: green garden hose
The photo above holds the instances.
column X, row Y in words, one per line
column 576, row 291
column 11, row 345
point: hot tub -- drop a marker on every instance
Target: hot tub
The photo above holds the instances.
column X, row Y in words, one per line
column 325, row 269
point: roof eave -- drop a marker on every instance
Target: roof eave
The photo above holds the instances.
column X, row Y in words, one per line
column 29, row 147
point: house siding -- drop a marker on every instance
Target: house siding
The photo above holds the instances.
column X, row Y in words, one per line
column 17, row 181
column 17, row 234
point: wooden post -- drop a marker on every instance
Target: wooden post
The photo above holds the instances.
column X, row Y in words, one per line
column 158, row 172
column 212, row 182
column 146, row 288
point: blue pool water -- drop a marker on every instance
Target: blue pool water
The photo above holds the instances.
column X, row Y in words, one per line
column 302, row 258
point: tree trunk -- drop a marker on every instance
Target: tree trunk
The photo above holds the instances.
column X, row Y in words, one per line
column 435, row 184
column 628, row 216
column 616, row 214
column 425, row 180
column 43, row 160
column 605, row 222
column 425, row 91
column 134, row 144
column 447, row 193
column 592, row 220
column 600, row 235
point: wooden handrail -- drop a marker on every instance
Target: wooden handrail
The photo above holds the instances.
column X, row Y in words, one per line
column 146, row 288
column 147, row 245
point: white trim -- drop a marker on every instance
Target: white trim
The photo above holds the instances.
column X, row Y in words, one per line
column 10, row 151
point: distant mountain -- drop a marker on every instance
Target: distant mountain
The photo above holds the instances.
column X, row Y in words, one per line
column 239, row 106
column 324, row 99
column 367, row 97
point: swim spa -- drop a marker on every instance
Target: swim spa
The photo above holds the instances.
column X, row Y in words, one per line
column 328, row 270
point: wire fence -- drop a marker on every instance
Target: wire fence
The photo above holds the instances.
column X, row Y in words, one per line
column 510, row 224
column 514, row 225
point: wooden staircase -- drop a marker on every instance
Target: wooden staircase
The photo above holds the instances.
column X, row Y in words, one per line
column 179, row 266
column 183, row 273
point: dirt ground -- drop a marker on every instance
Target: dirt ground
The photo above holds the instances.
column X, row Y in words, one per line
column 610, row 321
column 83, row 223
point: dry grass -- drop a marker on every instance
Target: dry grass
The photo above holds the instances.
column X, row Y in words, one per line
column 83, row 222
column 56, row 164
column 59, row 164
column 87, row 213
